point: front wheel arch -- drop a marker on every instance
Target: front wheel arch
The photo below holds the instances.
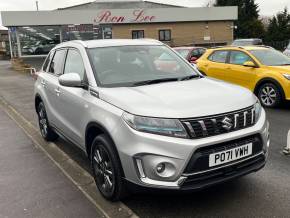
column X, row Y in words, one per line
column 269, row 80
column 93, row 130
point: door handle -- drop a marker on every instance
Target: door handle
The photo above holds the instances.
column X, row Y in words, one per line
column 57, row 91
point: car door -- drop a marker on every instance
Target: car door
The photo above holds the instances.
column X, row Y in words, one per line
column 71, row 103
column 216, row 65
column 238, row 73
column 49, row 81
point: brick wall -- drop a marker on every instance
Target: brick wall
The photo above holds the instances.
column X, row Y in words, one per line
column 183, row 33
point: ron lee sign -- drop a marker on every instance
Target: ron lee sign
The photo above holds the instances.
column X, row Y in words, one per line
column 134, row 16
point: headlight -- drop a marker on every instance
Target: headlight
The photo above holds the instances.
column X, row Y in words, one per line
column 167, row 127
column 287, row 76
column 258, row 110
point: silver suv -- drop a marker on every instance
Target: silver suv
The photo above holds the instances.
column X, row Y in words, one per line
column 148, row 121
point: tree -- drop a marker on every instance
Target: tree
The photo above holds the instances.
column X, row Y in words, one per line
column 279, row 27
column 248, row 24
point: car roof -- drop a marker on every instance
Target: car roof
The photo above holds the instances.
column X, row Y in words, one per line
column 247, row 47
column 186, row 47
column 110, row 42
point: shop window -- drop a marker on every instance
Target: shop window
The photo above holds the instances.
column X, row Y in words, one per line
column 38, row 40
column 137, row 34
column 77, row 32
column 164, row 35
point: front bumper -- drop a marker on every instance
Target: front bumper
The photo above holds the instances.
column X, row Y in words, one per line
column 140, row 154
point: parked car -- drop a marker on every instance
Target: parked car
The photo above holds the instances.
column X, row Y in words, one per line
column 287, row 50
column 173, row 129
column 245, row 42
column 192, row 54
column 263, row 70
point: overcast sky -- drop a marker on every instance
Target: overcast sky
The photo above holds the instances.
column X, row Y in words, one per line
column 267, row 7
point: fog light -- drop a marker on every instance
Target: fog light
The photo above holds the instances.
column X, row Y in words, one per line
column 160, row 168
column 165, row 170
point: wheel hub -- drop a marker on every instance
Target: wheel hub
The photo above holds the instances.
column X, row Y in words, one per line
column 268, row 95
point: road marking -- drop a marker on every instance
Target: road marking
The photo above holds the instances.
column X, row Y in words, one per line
column 72, row 170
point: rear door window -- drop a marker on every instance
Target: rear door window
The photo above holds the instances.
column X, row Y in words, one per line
column 56, row 65
column 219, row 56
column 47, row 61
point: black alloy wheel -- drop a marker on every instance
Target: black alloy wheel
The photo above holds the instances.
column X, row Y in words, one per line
column 106, row 169
column 46, row 131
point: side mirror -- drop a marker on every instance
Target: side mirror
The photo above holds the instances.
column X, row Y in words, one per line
column 70, row 80
column 249, row 64
column 193, row 60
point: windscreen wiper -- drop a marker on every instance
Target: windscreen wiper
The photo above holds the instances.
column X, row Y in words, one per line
column 155, row 81
column 189, row 77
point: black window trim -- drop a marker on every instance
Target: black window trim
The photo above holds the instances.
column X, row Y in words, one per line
column 137, row 30
column 163, row 30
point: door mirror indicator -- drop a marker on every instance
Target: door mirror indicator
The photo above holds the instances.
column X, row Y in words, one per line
column 70, row 80
column 249, row 64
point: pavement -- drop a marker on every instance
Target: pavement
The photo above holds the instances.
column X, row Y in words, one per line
column 262, row 194
column 31, row 185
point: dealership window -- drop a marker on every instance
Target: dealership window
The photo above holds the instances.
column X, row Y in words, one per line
column 38, row 40
column 137, row 34
column 165, row 35
column 77, row 32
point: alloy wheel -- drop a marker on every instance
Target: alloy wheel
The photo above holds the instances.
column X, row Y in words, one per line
column 103, row 171
column 42, row 121
column 268, row 96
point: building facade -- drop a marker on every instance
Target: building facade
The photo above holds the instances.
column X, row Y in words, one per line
column 36, row 32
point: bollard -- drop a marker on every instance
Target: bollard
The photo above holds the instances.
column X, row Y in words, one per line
column 286, row 150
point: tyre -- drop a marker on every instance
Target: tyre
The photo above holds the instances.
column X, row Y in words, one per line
column 107, row 169
column 270, row 95
column 46, row 131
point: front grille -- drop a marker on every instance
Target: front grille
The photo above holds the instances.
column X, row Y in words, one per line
column 219, row 124
column 200, row 159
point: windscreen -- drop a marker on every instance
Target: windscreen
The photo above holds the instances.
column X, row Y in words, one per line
column 129, row 65
column 271, row 57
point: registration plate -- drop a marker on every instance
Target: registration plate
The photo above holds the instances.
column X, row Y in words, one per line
column 230, row 155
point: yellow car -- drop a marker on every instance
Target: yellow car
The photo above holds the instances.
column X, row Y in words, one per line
column 263, row 70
